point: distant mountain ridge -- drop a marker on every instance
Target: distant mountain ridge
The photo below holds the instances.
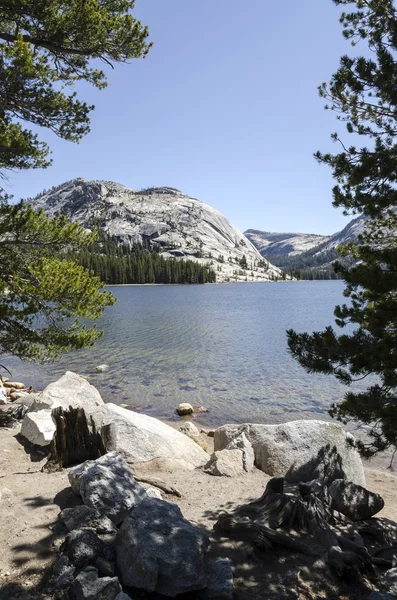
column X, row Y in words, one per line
column 177, row 225
column 293, row 251
column 269, row 243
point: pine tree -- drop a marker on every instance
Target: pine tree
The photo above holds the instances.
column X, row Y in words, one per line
column 363, row 93
column 46, row 48
column 41, row 290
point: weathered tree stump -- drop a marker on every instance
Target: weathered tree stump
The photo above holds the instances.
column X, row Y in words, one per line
column 76, row 440
column 301, row 520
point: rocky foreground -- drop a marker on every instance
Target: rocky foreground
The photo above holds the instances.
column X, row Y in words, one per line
column 292, row 515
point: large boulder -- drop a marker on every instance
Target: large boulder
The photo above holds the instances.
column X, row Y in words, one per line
column 300, row 450
column 157, row 550
column 354, row 501
column 38, row 427
column 70, row 390
column 107, row 485
column 141, row 438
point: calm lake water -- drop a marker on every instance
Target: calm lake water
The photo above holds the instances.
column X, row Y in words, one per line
column 222, row 346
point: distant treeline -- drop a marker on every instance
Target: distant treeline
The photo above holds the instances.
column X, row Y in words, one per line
column 117, row 264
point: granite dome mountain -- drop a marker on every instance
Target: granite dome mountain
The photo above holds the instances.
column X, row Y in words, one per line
column 162, row 217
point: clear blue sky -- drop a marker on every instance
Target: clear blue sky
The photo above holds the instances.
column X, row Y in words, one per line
column 225, row 108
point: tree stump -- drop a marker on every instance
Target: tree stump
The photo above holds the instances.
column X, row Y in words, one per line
column 301, row 520
column 76, row 440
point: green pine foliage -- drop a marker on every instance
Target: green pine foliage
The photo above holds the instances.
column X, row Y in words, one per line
column 116, row 263
column 46, row 48
column 42, row 292
column 363, row 94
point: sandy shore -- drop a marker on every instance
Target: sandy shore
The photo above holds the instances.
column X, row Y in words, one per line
column 31, row 500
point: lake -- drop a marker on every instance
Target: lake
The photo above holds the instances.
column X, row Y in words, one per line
column 221, row 346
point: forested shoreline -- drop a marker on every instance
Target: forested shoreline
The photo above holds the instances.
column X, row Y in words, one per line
column 119, row 264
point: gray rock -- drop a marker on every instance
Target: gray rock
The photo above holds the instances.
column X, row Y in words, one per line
column 154, row 492
column 228, row 463
column 107, row 485
column 106, row 568
column 65, row 571
column 88, row 586
column 62, row 565
column 240, row 442
column 380, row 596
column 83, row 547
column 38, row 427
column 189, row 429
column 300, row 450
column 219, row 581
column 85, row 516
column 185, row 409
column 69, row 390
column 159, row 551
column 388, row 583
column 122, row 596
column 65, row 580
column 141, row 438
column 76, row 473
column 354, row 501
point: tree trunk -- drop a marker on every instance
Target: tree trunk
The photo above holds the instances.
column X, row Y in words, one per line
column 75, row 439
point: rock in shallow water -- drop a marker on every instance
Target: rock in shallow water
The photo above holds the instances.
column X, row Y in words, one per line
column 185, row 409
column 159, row 551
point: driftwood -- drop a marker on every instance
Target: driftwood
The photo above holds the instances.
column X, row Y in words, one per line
column 168, row 489
column 301, row 519
column 75, row 441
